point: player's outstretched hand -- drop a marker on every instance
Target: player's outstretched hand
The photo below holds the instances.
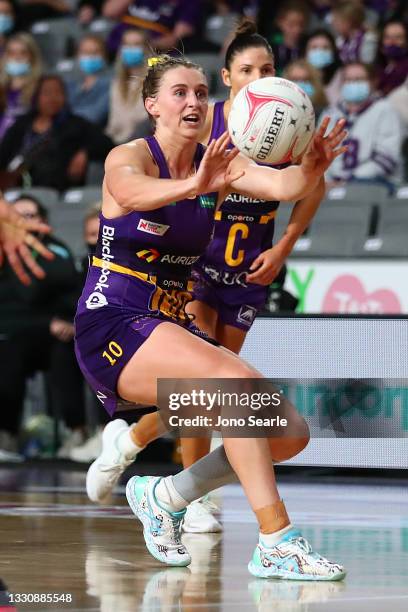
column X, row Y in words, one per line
column 323, row 149
column 17, row 242
column 214, row 173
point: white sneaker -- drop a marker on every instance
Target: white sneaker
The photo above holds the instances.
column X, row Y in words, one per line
column 200, row 517
column 90, row 450
column 106, row 470
column 293, row 558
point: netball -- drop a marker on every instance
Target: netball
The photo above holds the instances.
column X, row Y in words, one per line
column 271, row 121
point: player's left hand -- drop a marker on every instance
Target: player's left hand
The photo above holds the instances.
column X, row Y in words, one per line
column 266, row 267
column 17, row 242
column 323, row 149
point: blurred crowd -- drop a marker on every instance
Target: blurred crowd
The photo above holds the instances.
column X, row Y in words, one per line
column 348, row 55
column 70, row 80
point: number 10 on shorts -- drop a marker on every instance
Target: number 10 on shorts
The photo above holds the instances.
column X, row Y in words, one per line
column 114, row 350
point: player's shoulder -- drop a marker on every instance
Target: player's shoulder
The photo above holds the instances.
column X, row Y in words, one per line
column 130, row 153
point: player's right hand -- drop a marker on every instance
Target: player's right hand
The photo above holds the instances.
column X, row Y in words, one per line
column 214, row 173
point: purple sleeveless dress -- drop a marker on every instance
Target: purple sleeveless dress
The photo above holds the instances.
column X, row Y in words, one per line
column 139, row 278
column 244, row 228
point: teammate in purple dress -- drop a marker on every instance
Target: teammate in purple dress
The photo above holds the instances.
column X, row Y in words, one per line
column 232, row 277
column 132, row 327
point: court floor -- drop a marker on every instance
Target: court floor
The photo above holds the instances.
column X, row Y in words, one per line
column 53, row 541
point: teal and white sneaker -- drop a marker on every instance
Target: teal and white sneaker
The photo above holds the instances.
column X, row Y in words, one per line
column 161, row 529
column 293, row 559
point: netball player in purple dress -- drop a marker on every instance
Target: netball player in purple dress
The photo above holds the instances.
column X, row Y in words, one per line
column 132, row 328
column 232, row 277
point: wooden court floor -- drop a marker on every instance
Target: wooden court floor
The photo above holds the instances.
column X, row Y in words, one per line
column 54, row 541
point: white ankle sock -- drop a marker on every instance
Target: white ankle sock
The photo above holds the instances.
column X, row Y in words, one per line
column 125, row 444
column 271, row 539
column 168, row 497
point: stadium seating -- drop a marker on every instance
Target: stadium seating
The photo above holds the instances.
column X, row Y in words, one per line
column 212, row 65
column 389, row 245
column 359, row 193
column 55, row 38
column 219, row 27
column 336, row 231
column 67, row 224
column 46, row 196
column 67, row 218
column 83, row 196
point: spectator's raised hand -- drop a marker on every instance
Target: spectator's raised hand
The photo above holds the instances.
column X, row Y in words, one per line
column 19, row 245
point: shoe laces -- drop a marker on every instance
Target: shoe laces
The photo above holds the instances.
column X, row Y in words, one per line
column 302, row 543
column 115, row 470
column 172, row 526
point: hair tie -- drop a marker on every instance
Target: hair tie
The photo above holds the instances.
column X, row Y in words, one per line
column 152, row 61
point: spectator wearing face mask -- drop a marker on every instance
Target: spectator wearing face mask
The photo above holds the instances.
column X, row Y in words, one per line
column 308, row 78
column 88, row 95
column 356, row 43
column 319, row 49
column 374, row 131
column 8, row 22
column 20, row 70
column 126, row 110
column 393, row 56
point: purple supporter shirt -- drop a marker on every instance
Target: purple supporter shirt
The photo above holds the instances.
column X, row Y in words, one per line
column 392, row 75
column 157, row 18
column 14, row 108
column 350, row 48
column 163, row 16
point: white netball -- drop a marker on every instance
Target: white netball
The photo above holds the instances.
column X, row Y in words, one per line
column 271, row 121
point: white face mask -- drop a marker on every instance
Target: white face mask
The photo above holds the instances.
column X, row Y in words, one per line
column 320, row 58
column 355, row 91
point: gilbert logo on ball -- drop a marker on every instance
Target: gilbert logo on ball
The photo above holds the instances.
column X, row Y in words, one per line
column 271, row 121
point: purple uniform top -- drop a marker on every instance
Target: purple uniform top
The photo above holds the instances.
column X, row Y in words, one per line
column 139, row 277
column 244, row 227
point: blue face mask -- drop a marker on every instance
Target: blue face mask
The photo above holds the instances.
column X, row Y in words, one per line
column 91, row 64
column 15, row 69
column 6, row 23
column 307, row 87
column 355, row 91
column 320, row 58
column 132, row 56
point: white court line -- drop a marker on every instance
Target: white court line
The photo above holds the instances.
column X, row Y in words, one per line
column 376, row 598
column 121, row 562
